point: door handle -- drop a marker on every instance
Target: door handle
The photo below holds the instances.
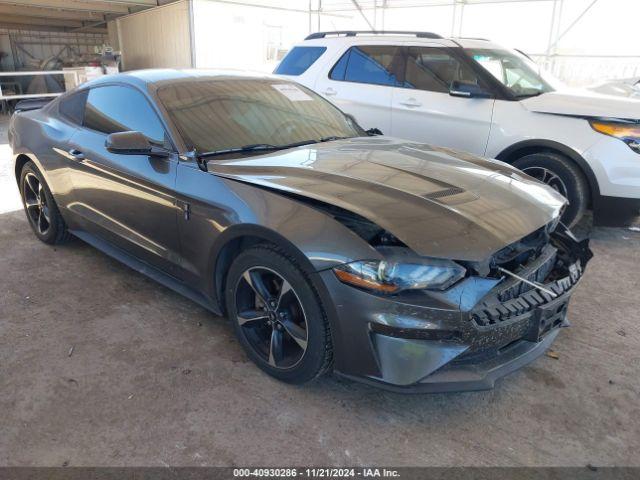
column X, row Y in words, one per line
column 76, row 154
column 411, row 103
column 329, row 92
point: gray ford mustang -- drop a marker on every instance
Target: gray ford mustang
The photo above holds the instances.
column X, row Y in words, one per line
column 409, row 266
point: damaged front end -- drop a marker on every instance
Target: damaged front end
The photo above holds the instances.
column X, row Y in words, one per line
column 504, row 321
column 532, row 302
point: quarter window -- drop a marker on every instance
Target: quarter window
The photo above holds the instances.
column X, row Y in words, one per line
column 299, row 59
column 435, row 69
column 374, row 64
column 72, row 106
column 117, row 108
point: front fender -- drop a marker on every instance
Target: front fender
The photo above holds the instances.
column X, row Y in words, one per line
column 322, row 240
column 223, row 210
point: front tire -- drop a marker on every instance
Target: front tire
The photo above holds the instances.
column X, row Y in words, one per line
column 277, row 315
column 561, row 174
column 41, row 209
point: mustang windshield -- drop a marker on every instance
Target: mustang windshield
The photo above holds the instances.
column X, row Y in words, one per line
column 516, row 72
column 232, row 113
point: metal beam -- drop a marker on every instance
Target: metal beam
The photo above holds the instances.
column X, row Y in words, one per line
column 89, row 26
column 357, row 5
column 443, row 3
column 54, row 22
column 46, row 28
column 48, row 13
column 573, row 24
column 249, row 4
column 73, row 5
column 554, row 28
column 456, row 18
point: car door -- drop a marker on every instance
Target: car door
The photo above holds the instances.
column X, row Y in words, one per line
column 360, row 83
column 423, row 109
column 125, row 199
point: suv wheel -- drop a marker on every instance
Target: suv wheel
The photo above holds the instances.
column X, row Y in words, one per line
column 561, row 174
column 277, row 315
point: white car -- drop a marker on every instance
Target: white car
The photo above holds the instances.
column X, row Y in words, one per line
column 625, row 87
column 476, row 96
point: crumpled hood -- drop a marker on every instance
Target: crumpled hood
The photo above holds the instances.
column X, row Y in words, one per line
column 584, row 104
column 439, row 202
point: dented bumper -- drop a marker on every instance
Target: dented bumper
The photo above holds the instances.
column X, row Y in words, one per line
column 438, row 344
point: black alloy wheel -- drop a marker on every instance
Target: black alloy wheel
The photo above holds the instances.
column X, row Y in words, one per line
column 271, row 317
column 40, row 207
column 277, row 314
column 35, row 201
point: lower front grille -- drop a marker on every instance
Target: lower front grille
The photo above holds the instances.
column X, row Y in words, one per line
column 492, row 310
column 512, row 312
column 537, row 272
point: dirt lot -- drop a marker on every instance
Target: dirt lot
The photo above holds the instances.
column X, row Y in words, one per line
column 100, row 366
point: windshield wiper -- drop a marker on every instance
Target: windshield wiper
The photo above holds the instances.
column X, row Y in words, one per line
column 254, row 147
column 331, row 138
column 529, row 95
column 202, row 158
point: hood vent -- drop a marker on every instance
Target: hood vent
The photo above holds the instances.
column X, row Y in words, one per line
column 447, row 192
column 451, row 196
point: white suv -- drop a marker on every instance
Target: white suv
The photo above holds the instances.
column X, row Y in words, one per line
column 473, row 95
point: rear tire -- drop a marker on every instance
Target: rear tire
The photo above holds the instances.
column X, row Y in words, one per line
column 40, row 207
column 564, row 176
column 286, row 335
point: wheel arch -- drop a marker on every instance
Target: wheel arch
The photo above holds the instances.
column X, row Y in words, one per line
column 20, row 161
column 239, row 237
column 527, row 147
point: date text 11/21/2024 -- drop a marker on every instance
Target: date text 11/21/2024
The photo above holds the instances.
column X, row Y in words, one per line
column 316, row 473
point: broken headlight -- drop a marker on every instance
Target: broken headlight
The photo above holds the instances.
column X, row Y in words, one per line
column 393, row 276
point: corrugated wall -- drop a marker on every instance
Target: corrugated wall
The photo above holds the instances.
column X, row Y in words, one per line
column 156, row 38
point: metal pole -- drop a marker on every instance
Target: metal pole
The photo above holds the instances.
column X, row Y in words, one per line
column 453, row 17
column 456, row 20
column 553, row 32
column 573, row 24
column 359, row 8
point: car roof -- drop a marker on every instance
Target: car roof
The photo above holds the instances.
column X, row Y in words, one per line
column 144, row 78
column 455, row 42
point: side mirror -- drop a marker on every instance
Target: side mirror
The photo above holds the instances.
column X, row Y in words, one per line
column 468, row 90
column 132, row 143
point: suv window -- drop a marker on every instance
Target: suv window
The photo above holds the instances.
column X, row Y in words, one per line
column 516, row 72
column 435, row 69
column 374, row 64
column 116, row 108
column 299, row 60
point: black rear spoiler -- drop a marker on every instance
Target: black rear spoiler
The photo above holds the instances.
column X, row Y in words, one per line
column 31, row 104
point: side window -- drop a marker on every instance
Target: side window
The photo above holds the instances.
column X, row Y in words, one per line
column 340, row 68
column 299, row 59
column 374, row 64
column 117, row 108
column 435, row 69
column 72, row 106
